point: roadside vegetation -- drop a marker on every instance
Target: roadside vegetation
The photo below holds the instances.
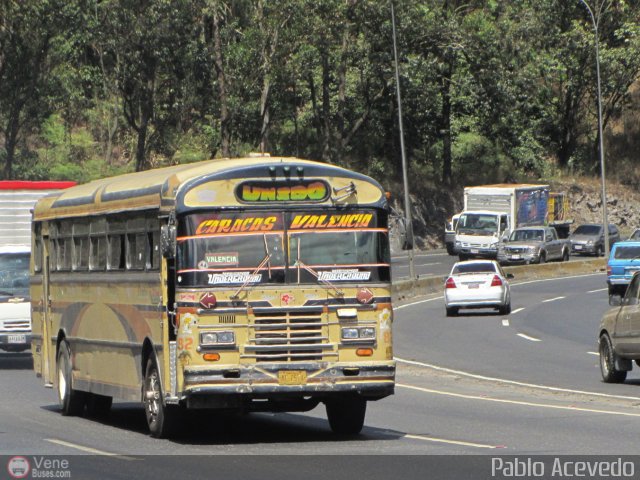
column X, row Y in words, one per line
column 492, row 91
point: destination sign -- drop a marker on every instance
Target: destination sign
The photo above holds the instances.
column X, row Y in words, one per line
column 260, row 191
column 327, row 221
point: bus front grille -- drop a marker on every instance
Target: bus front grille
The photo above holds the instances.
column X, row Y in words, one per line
column 288, row 336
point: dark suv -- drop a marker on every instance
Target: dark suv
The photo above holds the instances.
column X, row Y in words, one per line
column 588, row 239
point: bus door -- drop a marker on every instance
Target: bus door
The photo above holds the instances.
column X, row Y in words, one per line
column 48, row 357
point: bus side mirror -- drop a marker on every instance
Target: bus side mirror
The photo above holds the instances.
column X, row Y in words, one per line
column 168, row 241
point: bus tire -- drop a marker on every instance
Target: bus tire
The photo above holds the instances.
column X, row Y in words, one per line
column 346, row 415
column 71, row 401
column 161, row 418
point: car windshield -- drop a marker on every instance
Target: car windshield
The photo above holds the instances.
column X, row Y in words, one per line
column 461, row 269
column 14, row 274
column 635, row 235
column 626, row 252
column 587, row 230
column 524, row 235
column 477, row 224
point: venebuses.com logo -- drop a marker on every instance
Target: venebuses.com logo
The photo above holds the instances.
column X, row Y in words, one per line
column 18, row 467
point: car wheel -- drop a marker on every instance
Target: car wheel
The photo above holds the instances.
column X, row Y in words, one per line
column 452, row 311
column 505, row 309
column 450, row 249
column 610, row 374
column 71, row 401
column 462, row 257
column 599, row 251
column 543, row 257
column 565, row 255
column 346, row 415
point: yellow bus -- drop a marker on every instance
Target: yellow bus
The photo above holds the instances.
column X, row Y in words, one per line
column 246, row 284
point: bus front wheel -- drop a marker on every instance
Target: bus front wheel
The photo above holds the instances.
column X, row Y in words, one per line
column 346, row 416
column 71, row 401
column 160, row 417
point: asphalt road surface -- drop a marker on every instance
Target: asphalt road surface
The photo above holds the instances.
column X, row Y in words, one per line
column 476, row 384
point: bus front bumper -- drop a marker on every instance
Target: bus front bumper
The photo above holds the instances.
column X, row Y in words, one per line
column 373, row 380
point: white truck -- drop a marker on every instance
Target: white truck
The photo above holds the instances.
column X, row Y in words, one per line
column 491, row 212
column 17, row 199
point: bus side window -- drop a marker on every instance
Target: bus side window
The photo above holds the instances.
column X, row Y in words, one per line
column 98, row 253
column 115, row 252
column 136, row 251
column 154, row 250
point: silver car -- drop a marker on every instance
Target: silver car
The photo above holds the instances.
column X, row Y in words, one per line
column 619, row 335
column 588, row 239
column 477, row 284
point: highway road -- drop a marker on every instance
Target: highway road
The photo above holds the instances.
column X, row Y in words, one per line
column 432, row 263
column 476, row 384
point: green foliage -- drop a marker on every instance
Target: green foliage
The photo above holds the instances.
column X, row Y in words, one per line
column 491, row 91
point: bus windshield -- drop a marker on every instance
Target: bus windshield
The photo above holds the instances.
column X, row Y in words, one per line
column 14, row 274
column 234, row 249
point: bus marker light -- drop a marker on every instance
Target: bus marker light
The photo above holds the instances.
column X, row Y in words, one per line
column 364, row 352
column 208, row 300
column 347, row 313
column 211, row 357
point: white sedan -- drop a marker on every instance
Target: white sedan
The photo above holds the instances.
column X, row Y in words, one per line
column 477, row 284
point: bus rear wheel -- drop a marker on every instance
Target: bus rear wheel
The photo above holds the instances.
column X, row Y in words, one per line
column 71, row 401
column 346, row 416
column 161, row 418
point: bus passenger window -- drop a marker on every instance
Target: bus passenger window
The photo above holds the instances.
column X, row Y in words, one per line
column 136, row 251
column 154, row 250
column 115, row 257
column 80, row 253
column 98, row 253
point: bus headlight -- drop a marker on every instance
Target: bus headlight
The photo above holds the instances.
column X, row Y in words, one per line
column 354, row 334
column 208, row 339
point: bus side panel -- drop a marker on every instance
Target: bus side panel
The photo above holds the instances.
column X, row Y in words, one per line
column 106, row 325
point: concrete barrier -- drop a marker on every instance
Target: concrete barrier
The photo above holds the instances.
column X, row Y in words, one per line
column 406, row 289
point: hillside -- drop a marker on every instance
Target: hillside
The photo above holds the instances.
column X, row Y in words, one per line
column 432, row 208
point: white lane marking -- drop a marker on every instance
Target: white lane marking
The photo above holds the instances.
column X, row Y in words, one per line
column 452, row 442
column 511, row 382
column 594, row 353
column 518, row 402
column 527, row 337
column 417, row 265
column 517, row 310
column 552, row 299
column 598, row 290
column 505, row 322
column 541, row 280
column 399, row 307
column 87, row 449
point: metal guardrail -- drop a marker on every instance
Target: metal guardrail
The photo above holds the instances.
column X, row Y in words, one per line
column 406, row 289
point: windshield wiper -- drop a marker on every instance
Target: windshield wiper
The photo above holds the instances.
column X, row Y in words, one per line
column 265, row 261
column 326, row 283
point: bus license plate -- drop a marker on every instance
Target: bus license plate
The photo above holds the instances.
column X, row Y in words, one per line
column 292, row 377
column 17, row 339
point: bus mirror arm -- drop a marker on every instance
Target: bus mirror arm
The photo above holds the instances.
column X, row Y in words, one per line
column 168, row 241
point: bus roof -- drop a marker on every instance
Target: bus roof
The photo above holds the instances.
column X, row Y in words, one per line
column 205, row 184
